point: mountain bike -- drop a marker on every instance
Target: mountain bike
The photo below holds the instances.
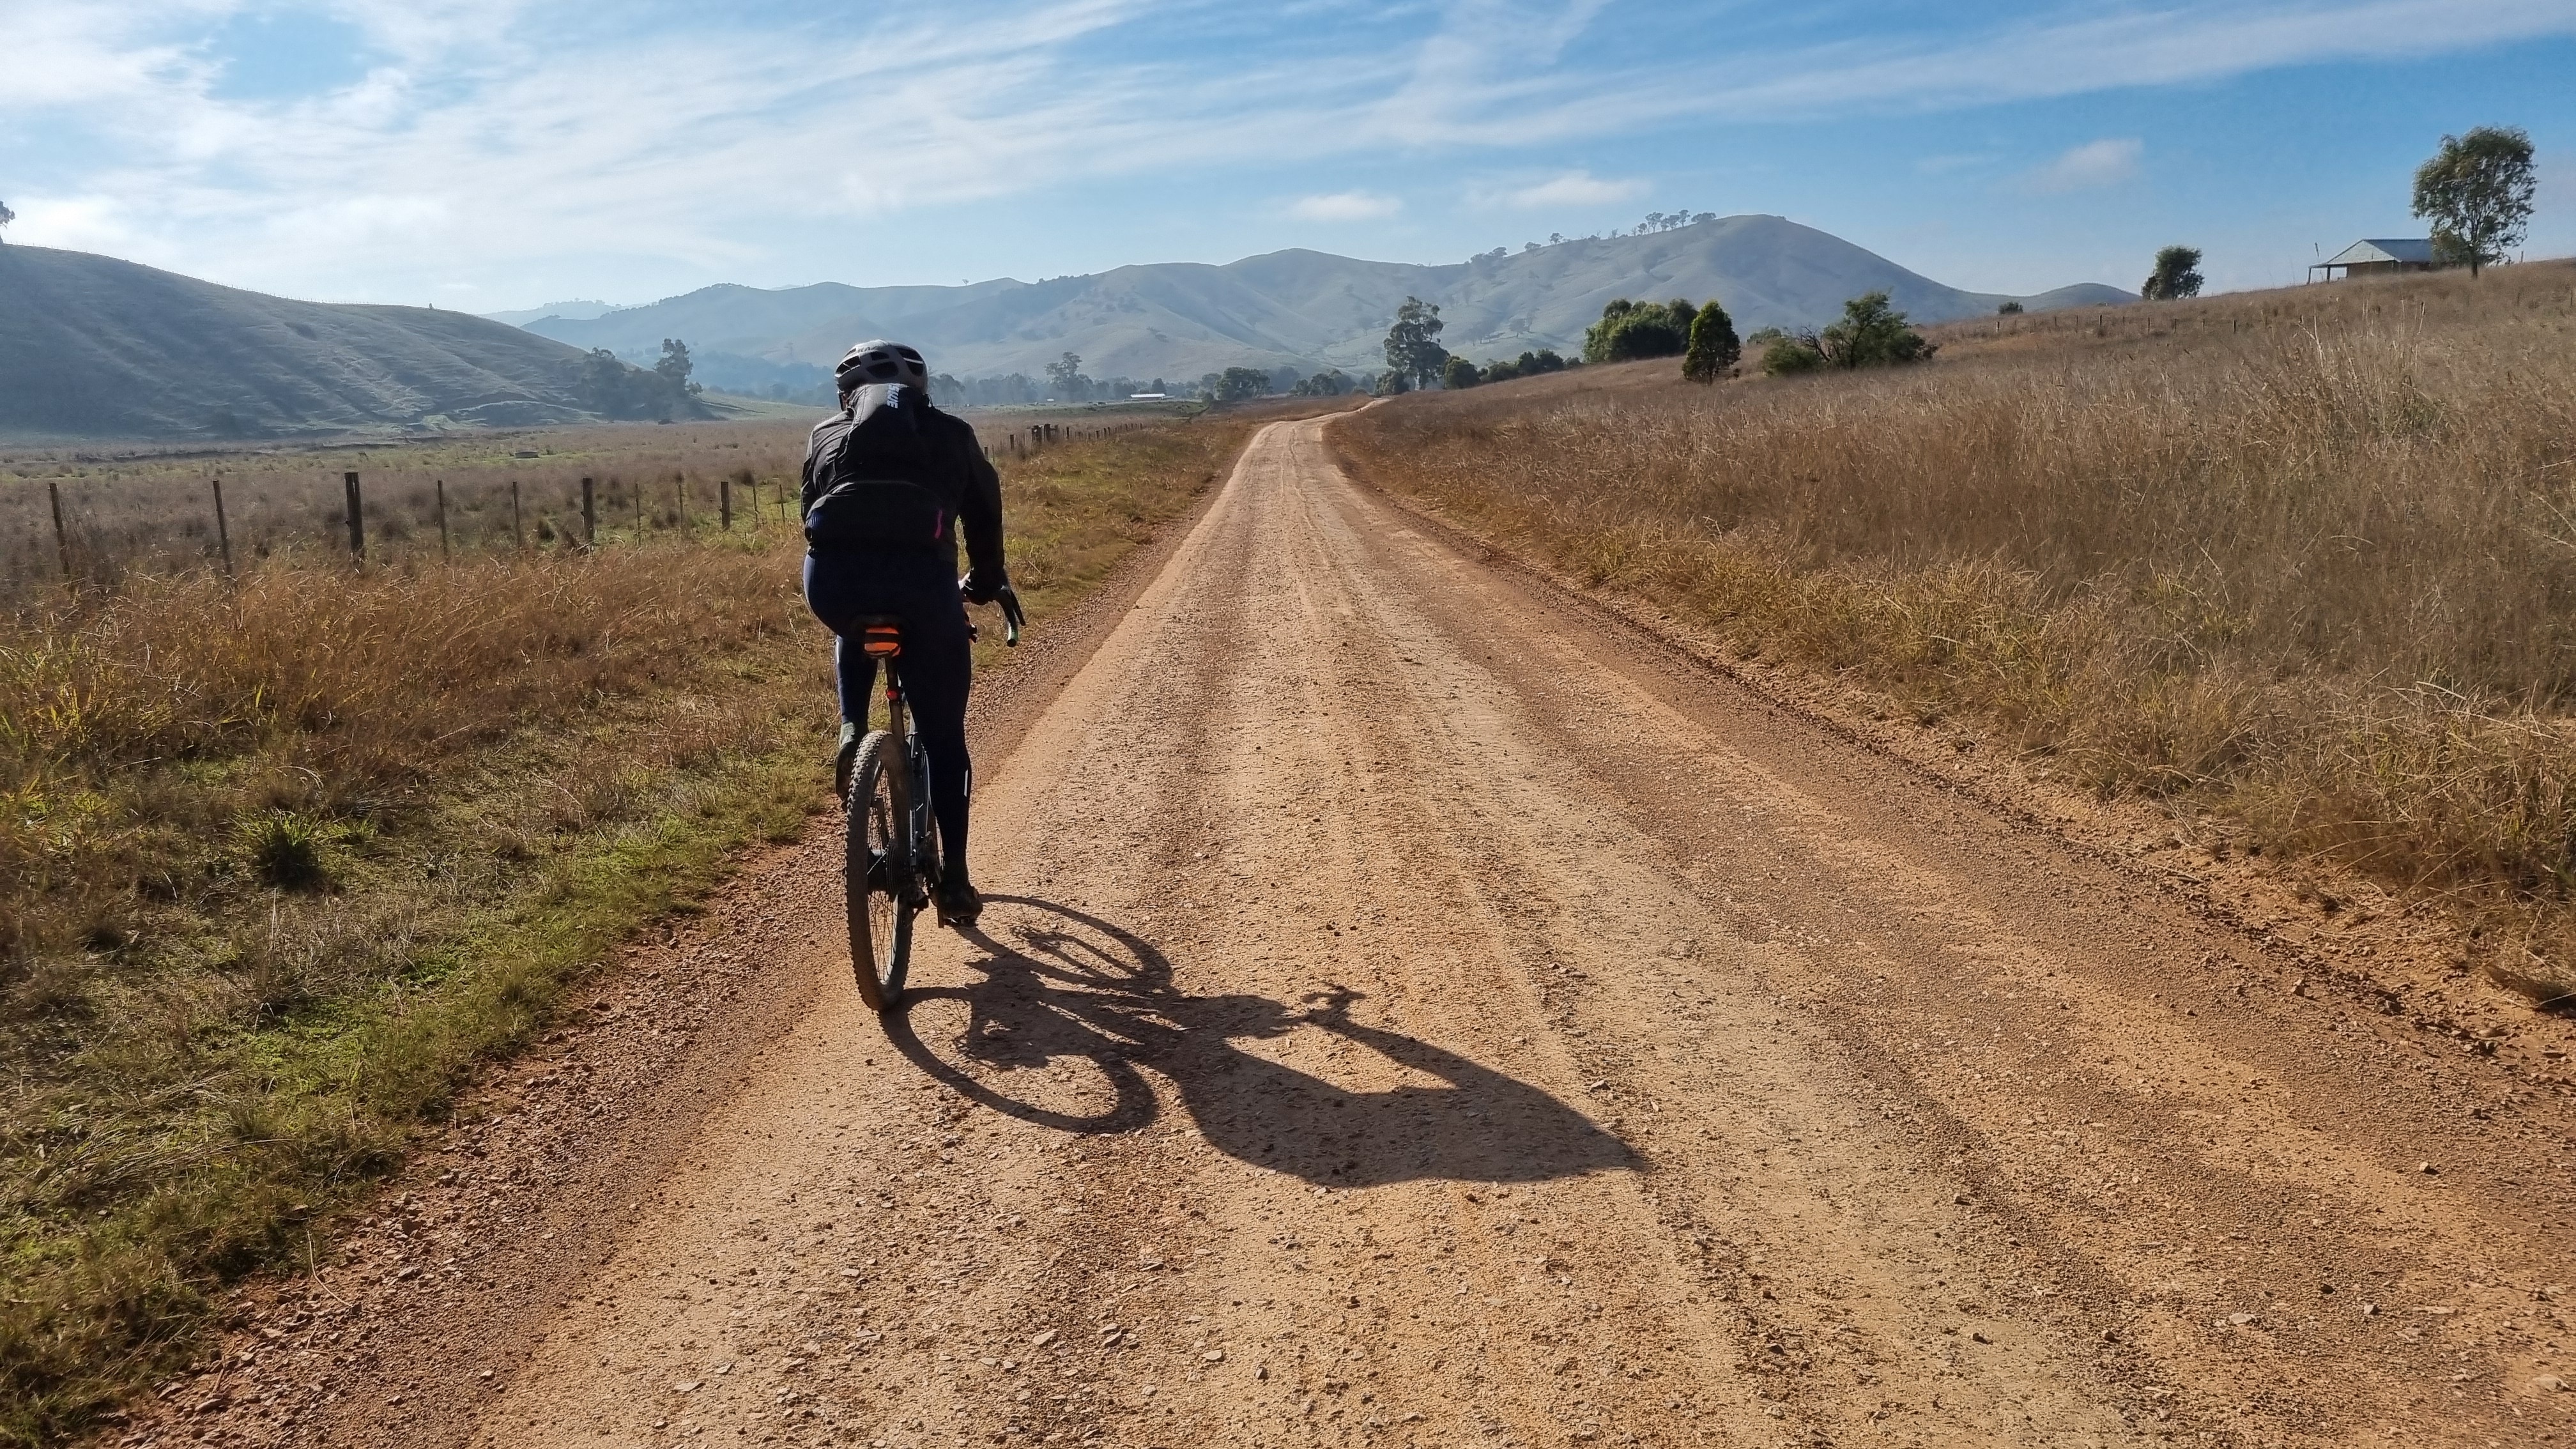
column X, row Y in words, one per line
column 891, row 870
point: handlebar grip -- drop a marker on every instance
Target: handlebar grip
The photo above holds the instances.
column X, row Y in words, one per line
column 1012, row 615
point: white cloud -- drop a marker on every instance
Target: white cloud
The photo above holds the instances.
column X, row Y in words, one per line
column 1344, row 206
column 1572, row 189
column 2095, row 163
column 499, row 139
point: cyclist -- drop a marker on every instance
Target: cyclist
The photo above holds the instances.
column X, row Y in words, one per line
column 890, row 482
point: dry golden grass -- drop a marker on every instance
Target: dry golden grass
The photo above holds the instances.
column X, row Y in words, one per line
column 149, row 511
column 283, row 858
column 2307, row 557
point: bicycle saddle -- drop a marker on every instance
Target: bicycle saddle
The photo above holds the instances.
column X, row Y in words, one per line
column 880, row 636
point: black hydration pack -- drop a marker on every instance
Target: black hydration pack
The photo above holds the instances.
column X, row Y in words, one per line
column 889, row 490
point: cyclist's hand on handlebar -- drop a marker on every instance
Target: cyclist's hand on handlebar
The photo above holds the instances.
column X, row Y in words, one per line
column 980, row 590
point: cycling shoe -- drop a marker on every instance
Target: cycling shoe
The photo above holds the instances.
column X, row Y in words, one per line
column 959, row 904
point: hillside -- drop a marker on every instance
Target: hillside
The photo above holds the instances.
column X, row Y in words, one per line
column 95, row 347
column 1296, row 308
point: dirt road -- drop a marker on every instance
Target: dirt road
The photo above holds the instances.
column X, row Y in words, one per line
column 1413, row 1011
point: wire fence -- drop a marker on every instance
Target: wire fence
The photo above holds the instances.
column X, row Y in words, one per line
column 91, row 521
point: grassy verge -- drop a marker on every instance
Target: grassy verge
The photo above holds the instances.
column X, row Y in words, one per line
column 285, row 861
column 2297, row 559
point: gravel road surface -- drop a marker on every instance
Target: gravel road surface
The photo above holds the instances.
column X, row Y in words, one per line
column 1415, row 1009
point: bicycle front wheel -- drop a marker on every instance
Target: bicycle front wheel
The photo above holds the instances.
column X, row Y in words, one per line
column 879, row 873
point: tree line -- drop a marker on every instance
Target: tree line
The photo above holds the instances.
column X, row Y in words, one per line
column 1871, row 333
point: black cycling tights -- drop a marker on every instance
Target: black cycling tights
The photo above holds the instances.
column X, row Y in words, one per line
column 936, row 666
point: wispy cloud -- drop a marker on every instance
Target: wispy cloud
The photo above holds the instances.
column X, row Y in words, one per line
column 2095, row 163
column 498, row 138
column 1345, row 206
column 1571, row 190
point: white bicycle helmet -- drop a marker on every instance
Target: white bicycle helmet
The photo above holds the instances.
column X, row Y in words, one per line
column 881, row 361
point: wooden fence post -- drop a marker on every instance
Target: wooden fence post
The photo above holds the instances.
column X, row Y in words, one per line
column 62, row 541
column 517, row 539
column 639, row 509
column 223, row 535
column 442, row 520
column 680, row 489
column 357, row 517
column 589, row 517
column 724, row 501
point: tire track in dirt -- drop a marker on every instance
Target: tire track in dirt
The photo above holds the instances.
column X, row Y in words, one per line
column 1410, row 1013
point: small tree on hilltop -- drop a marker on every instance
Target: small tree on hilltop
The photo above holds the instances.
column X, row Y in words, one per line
column 1713, row 344
column 2477, row 192
column 6, row 215
column 1413, row 347
column 1459, row 373
column 2177, row 275
column 2008, row 309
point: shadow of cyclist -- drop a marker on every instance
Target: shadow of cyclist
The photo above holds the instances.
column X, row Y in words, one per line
column 1062, row 985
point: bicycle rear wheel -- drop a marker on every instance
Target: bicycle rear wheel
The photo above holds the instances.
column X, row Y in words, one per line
column 878, row 873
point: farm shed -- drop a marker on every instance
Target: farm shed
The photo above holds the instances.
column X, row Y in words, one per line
column 2378, row 255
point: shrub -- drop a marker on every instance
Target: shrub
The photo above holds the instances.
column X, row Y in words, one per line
column 1459, row 374
column 1784, row 355
column 1870, row 334
column 2009, row 309
column 284, row 849
column 1629, row 331
column 1528, row 364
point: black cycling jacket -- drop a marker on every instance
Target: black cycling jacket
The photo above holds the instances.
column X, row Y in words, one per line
column 914, row 444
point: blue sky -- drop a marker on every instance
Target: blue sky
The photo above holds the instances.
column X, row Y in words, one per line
column 489, row 154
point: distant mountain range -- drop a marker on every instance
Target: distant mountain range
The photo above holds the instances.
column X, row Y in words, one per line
column 1302, row 309
column 577, row 311
column 94, row 347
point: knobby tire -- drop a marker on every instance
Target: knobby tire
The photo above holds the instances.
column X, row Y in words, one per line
column 878, row 870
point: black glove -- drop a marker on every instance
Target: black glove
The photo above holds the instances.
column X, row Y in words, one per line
column 979, row 590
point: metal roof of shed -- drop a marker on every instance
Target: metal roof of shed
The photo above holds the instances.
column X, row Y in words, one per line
column 2385, row 249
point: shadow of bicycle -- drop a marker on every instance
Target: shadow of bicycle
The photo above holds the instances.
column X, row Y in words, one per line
column 1061, row 987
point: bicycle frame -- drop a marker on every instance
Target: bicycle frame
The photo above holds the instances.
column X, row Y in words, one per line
column 920, row 820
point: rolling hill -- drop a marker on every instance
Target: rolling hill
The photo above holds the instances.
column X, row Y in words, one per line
column 1298, row 308
column 95, row 347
